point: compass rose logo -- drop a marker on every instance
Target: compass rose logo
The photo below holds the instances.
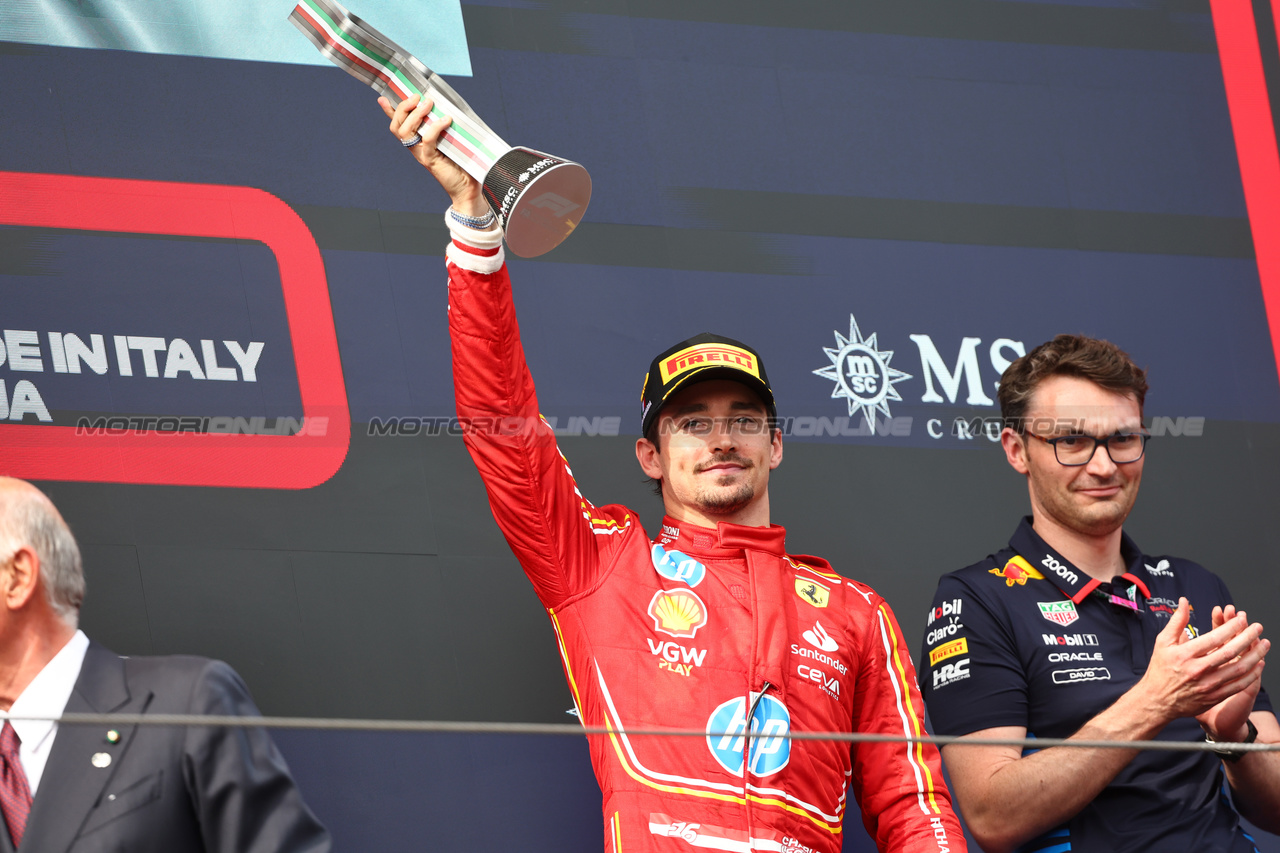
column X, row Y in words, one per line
column 862, row 373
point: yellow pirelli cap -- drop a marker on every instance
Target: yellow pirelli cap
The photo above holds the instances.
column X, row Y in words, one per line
column 702, row 357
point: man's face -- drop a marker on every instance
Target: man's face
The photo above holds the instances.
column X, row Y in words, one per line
column 1092, row 499
column 714, row 454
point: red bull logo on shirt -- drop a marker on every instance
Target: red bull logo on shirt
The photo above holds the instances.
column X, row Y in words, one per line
column 1017, row 571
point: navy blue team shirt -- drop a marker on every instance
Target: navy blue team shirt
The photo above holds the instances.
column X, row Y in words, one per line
column 1024, row 638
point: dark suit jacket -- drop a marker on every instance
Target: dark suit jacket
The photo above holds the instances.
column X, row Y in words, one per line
column 167, row 789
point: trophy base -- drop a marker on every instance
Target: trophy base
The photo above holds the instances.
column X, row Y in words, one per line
column 539, row 199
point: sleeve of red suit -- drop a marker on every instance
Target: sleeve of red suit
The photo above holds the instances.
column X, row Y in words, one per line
column 556, row 533
column 899, row 786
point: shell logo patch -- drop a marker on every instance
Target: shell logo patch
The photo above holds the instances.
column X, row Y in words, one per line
column 677, row 612
column 813, row 592
column 1017, row 571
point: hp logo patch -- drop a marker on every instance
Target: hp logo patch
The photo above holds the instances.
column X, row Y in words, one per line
column 770, row 748
column 676, row 566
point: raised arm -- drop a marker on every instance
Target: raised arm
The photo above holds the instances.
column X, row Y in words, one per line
column 555, row 533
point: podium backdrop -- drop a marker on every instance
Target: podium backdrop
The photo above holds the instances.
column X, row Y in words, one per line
column 889, row 199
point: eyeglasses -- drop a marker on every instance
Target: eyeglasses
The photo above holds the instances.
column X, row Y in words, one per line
column 1078, row 449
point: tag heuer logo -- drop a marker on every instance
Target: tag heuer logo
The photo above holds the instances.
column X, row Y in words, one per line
column 1060, row 612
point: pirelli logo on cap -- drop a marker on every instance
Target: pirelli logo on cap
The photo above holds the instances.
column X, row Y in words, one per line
column 947, row 650
column 707, row 355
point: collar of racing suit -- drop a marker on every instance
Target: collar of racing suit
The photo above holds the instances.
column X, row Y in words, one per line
column 725, row 540
column 762, row 552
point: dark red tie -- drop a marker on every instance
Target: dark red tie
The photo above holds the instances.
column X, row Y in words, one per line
column 15, row 794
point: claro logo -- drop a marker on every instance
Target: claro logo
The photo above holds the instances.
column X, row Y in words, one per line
column 298, row 461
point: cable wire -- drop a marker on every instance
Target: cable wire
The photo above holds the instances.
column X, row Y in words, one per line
column 562, row 729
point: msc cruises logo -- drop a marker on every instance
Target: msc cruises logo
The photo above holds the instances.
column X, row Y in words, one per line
column 862, row 373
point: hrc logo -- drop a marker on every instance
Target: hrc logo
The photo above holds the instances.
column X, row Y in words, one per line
column 677, row 612
column 708, row 355
column 1017, row 571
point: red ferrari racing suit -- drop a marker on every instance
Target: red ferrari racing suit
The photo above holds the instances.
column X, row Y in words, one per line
column 699, row 629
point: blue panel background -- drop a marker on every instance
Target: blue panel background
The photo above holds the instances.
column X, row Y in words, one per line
column 662, row 112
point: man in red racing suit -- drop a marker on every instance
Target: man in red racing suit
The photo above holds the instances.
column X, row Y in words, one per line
column 704, row 628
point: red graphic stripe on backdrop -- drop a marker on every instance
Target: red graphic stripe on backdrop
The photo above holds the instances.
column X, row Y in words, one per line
column 298, row 461
column 1251, row 122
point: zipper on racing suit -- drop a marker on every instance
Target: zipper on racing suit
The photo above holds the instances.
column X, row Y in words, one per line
column 746, row 761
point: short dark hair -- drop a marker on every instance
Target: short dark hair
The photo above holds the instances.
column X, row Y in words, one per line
column 1100, row 362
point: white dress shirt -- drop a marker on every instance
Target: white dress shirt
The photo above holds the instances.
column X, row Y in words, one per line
column 46, row 696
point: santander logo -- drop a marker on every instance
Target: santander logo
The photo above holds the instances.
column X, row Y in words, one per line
column 818, row 637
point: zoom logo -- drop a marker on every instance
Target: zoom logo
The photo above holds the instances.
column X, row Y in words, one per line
column 770, row 725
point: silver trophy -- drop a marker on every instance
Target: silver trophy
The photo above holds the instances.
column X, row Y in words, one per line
column 538, row 198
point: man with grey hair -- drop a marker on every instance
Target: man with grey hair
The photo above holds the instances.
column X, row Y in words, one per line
column 165, row 789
